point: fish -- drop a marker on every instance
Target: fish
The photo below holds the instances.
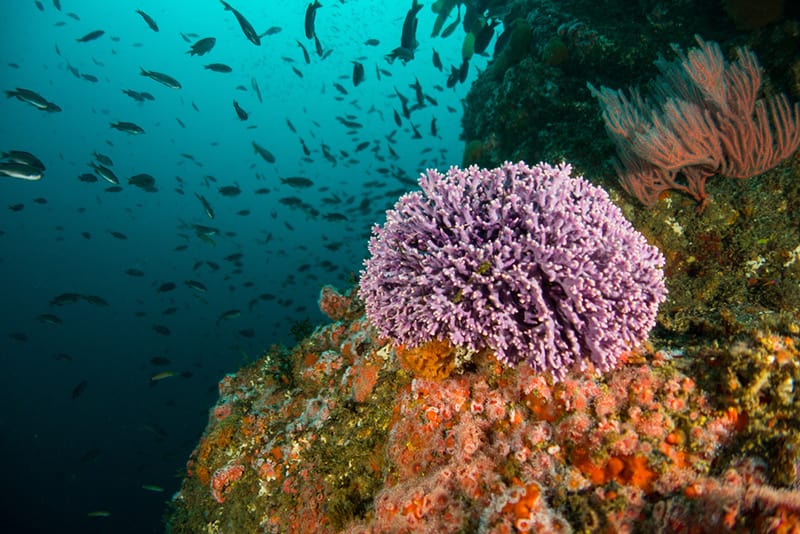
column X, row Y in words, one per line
column 161, row 329
column 134, row 272
column 161, row 78
column 272, row 30
column 20, row 156
column 453, row 25
column 65, row 298
column 91, row 36
column 202, row 46
column 165, row 287
column 206, row 206
column 247, row 332
column 22, row 171
column 90, row 78
column 230, row 190
column 137, row 95
column 305, row 53
column 127, row 127
column 79, row 389
column 358, row 73
column 263, row 152
column 219, row 67
column 311, row 15
column 49, row 318
column 484, row 36
column 408, row 38
column 95, row 300
column 118, row 235
column 159, row 360
column 148, row 19
column 33, row 98
column 254, row 85
column 162, row 375
column 372, row 42
column 339, row 87
column 241, row 113
column 152, row 487
column 196, row 286
column 102, row 158
column 99, row 513
column 437, row 61
column 297, row 181
column 105, row 173
column 227, row 315
column 143, row 181
column 247, row 28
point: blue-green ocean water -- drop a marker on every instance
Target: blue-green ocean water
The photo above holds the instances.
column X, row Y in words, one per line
column 85, row 427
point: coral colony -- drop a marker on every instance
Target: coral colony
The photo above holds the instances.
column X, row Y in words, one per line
column 528, row 262
column 412, row 417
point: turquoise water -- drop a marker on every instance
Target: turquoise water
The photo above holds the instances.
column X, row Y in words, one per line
column 88, row 424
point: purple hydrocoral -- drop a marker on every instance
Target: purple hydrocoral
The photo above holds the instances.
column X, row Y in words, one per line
column 527, row 261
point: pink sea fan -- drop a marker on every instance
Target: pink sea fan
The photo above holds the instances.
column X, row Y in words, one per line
column 528, row 262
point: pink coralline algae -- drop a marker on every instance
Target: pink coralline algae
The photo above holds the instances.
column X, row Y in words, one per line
column 528, row 262
column 222, row 480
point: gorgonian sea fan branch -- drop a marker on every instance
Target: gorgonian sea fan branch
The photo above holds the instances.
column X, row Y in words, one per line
column 528, row 262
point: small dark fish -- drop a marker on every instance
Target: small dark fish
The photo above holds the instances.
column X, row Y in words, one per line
column 311, row 15
column 160, row 77
column 89, row 78
column 290, row 125
column 247, row 332
column 20, row 170
column 143, row 181
column 196, row 286
column 247, row 28
column 219, row 67
column 361, row 146
column 358, row 73
column 230, row 191
column 49, row 318
column 484, row 37
column 127, row 127
column 79, row 389
column 95, row 300
column 372, row 42
column 86, row 235
column 263, row 152
column 206, row 206
column 159, row 360
column 134, row 272
column 227, row 315
column 241, row 113
column 161, row 329
column 297, row 71
column 334, row 217
column 397, row 120
column 339, row 87
column 118, row 235
column 202, row 47
column 272, row 30
column 33, row 98
column 437, row 61
column 20, row 156
column 103, row 159
column 18, row 336
column 305, row 53
column 148, row 19
column 65, row 298
column 91, row 36
column 165, row 287
column 254, row 85
column 105, row 173
column 297, row 181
